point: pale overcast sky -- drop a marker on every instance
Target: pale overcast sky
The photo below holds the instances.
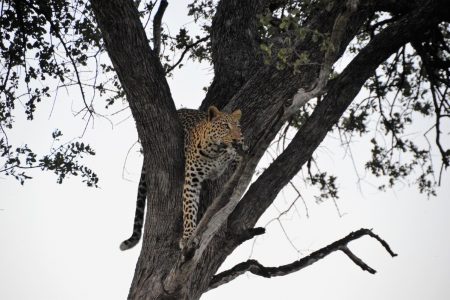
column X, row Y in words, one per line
column 62, row 241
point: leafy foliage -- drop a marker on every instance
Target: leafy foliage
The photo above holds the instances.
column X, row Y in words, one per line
column 44, row 44
column 282, row 30
column 409, row 89
column 62, row 160
column 403, row 95
column 184, row 44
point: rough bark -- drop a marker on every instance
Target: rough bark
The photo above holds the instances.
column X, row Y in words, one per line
column 235, row 49
column 341, row 93
column 148, row 94
column 266, row 96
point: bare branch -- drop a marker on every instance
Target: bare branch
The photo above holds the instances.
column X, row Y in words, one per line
column 357, row 260
column 256, row 268
column 185, row 51
column 251, row 233
column 157, row 26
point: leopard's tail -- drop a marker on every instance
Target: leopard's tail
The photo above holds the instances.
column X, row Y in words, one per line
column 139, row 215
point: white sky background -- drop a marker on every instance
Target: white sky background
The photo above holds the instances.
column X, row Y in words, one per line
column 62, row 241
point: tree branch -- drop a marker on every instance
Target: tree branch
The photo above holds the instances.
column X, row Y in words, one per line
column 256, row 268
column 185, row 51
column 157, row 26
column 142, row 77
column 249, row 234
column 358, row 261
column 336, row 39
column 341, row 93
column 126, row 42
column 235, row 49
column 264, row 96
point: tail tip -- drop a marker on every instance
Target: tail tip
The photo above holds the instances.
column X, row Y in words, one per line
column 123, row 246
column 128, row 244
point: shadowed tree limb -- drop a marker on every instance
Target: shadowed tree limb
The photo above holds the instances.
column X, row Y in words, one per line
column 157, row 26
column 263, row 103
column 256, row 268
column 235, row 49
column 251, row 233
column 143, row 79
column 357, row 260
column 263, row 97
column 340, row 94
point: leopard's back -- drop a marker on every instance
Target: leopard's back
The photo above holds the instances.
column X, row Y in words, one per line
column 190, row 118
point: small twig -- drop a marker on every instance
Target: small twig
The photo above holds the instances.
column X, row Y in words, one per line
column 186, row 49
column 301, row 197
column 278, row 219
column 125, row 161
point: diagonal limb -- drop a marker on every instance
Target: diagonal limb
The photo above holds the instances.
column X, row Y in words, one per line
column 256, row 268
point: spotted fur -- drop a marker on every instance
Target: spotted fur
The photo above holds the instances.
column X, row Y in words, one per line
column 211, row 142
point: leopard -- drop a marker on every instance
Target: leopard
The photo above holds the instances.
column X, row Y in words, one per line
column 213, row 141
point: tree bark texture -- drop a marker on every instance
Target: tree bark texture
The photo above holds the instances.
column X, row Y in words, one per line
column 267, row 97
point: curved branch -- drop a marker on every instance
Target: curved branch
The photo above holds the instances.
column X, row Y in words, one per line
column 256, row 268
column 185, row 51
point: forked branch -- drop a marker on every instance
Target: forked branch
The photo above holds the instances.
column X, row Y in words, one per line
column 256, row 268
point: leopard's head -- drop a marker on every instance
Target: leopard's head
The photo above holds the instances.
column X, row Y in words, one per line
column 224, row 128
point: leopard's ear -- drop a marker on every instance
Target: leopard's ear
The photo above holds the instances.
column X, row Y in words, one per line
column 237, row 114
column 213, row 112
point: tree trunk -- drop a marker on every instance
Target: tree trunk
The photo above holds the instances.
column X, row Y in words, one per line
column 267, row 96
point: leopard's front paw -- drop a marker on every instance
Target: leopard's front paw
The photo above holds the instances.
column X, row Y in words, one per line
column 182, row 243
column 192, row 242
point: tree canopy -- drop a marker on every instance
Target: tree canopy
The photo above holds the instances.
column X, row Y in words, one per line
column 290, row 66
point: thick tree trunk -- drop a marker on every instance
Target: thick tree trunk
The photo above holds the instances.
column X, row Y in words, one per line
column 267, row 98
column 148, row 94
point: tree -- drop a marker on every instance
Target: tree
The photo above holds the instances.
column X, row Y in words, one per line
column 273, row 60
